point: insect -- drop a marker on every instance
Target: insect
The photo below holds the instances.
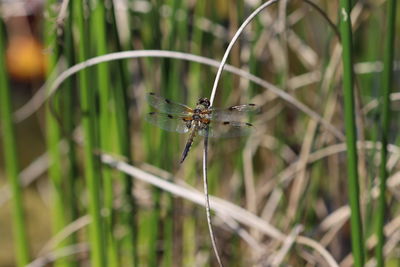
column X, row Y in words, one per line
column 202, row 120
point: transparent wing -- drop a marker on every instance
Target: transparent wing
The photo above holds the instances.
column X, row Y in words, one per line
column 168, row 122
column 234, row 113
column 218, row 129
column 165, row 105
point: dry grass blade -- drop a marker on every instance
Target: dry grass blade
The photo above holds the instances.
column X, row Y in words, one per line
column 60, row 253
column 220, row 206
column 320, row 249
column 287, row 244
column 62, row 235
column 27, row 176
column 39, row 98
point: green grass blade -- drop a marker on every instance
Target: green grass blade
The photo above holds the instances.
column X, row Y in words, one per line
column 351, row 137
column 130, row 213
column 59, row 196
column 72, row 173
column 92, row 175
column 385, row 124
column 11, row 161
column 98, row 32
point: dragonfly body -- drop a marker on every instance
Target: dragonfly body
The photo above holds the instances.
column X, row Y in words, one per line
column 202, row 120
column 199, row 120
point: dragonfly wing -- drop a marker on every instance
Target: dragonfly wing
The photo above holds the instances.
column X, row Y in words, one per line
column 234, row 113
column 168, row 122
column 218, row 129
column 167, row 106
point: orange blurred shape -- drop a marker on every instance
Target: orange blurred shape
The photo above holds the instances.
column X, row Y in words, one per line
column 26, row 60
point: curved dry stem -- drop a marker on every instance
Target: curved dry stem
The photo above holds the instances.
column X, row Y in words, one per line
column 65, row 233
column 212, row 97
column 27, row 176
column 325, row 16
column 60, row 253
column 232, row 42
column 40, row 97
column 320, row 249
column 287, row 244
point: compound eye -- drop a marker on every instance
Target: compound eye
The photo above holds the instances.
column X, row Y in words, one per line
column 205, row 102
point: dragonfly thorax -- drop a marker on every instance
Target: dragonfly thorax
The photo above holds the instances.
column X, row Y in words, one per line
column 196, row 117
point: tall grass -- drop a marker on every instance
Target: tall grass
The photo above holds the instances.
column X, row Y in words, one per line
column 11, row 161
column 61, row 198
column 98, row 32
column 351, row 133
column 387, row 85
column 92, row 173
column 67, row 101
column 291, row 171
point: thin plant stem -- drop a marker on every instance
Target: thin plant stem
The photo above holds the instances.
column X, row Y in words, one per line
column 92, row 175
column 120, row 96
column 212, row 97
column 351, row 138
column 385, row 125
column 325, row 16
column 207, row 201
column 68, row 120
column 98, row 31
column 53, row 137
column 232, row 42
column 11, row 162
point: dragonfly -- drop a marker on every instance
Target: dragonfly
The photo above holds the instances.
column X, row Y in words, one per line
column 202, row 120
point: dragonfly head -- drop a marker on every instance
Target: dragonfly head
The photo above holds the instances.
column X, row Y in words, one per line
column 204, row 102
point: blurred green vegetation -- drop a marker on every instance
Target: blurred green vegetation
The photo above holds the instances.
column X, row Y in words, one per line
column 291, row 171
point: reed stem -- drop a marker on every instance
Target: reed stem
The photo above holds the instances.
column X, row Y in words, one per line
column 385, row 125
column 11, row 161
column 351, row 134
column 92, row 174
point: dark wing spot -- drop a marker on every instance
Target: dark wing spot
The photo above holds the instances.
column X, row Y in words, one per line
column 151, row 93
column 168, row 101
column 249, row 124
column 226, row 122
column 251, row 104
column 152, row 113
column 170, row 116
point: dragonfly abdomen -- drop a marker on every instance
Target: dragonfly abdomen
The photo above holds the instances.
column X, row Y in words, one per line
column 188, row 144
